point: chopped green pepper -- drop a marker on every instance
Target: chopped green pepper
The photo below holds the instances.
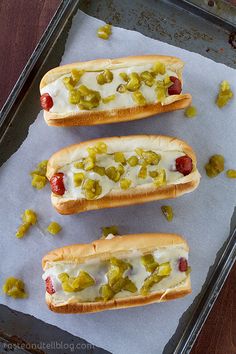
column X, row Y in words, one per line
column 54, row 228
column 149, row 262
column 215, row 166
column 15, row 288
column 190, row 112
column 231, row 173
column 113, row 229
column 29, row 217
column 225, row 94
column 163, row 270
column 168, row 212
column 104, row 32
column 38, row 176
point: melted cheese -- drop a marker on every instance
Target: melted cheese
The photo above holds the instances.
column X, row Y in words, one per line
column 167, row 162
column 99, row 269
column 60, row 94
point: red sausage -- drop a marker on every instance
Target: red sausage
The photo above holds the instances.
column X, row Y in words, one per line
column 57, row 183
column 46, row 101
column 176, row 88
column 183, row 265
column 49, row 287
column 184, row 165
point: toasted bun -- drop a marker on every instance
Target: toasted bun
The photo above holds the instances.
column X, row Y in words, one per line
column 137, row 195
column 73, row 307
column 104, row 249
column 173, row 102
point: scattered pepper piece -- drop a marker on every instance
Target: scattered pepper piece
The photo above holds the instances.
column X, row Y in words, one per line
column 139, row 98
column 104, row 32
column 125, row 183
column 22, row 230
column 74, row 284
column 148, row 261
column 142, row 172
column 147, row 78
column 116, row 279
column 190, row 112
column 160, row 180
column 69, row 83
column 79, row 165
column 38, row 182
column 74, row 96
column 53, row 228
column 41, row 168
column 15, row 288
column 29, row 218
column 120, row 157
column 78, row 179
column 99, row 170
column 134, row 82
column 108, row 99
column 101, row 148
column 225, row 94
column 112, row 173
column 215, row 166
column 39, row 179
column 106, row 292
column 231, row 173
column 121, row 88
column 89, row 98
column 168, row 212
column 163, row 270
column 113, row 229
column 124, row 76
column 132, row 161
column 91, row 188
column 161, row 94
column 77, row 74
column 105, row 77
column 159, row 68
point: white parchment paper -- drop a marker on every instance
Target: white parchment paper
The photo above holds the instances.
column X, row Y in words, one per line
column 203, row 216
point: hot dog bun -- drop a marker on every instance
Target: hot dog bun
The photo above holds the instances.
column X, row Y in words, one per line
column 120, row 247
column 112, row 114
column 117, row 197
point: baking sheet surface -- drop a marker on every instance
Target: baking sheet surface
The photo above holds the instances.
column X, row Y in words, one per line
column 203, row 217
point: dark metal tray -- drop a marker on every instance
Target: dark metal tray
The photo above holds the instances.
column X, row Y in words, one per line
column 181, row 23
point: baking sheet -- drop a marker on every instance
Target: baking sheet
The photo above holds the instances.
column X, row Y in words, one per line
column 203, row 217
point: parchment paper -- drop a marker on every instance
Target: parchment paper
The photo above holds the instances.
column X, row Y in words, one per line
column 203, row 216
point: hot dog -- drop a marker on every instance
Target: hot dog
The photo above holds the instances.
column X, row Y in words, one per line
column 111, row 172
column 112, row 90
column 119, row 272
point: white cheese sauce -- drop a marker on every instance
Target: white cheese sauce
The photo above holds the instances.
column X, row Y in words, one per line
column 167, row 162
column 98, row 270
column 60, row 94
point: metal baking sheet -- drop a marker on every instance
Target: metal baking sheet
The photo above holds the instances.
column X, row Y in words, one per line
column 180, row 23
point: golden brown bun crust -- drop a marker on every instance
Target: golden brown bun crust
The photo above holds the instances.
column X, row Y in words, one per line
column 138, row 195
column 115, row 115
column 88, row 307
column 104, row 249
column 172, row 63
column 174, row 102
